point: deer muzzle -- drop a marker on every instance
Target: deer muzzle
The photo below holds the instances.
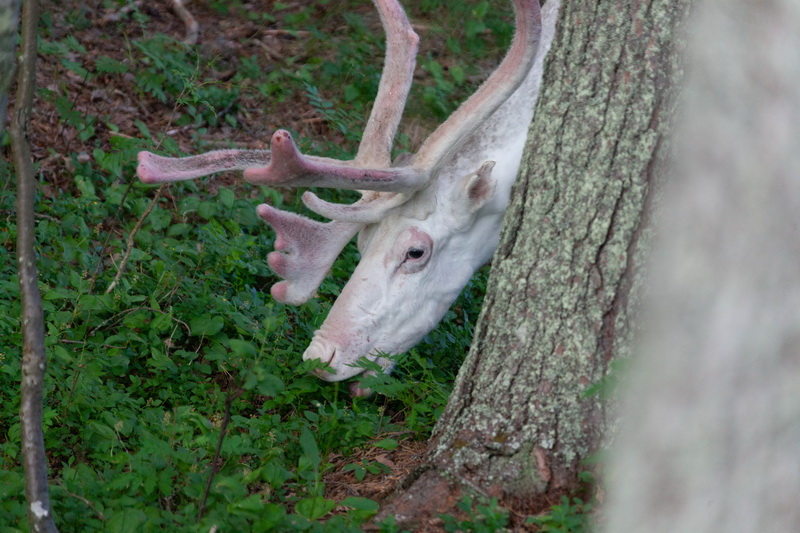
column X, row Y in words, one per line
column 335, row 356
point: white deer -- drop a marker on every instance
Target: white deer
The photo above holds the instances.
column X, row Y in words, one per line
column 424, row 224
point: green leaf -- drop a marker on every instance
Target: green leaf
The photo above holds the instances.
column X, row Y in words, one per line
column 360, row 504
column 359, row 471
column 61, row 353
column 351, row 92
column 179, row 230
column 251, row 504
column 86, row 188
column 127, row 521
column 142, row 127
column 264, row 382
column 458, row 74
column 241, row 348
column 270, row 385
column 314, row 508
column 386, row 444
column 309, row 446
column 110, row 65
column 103, row 430
column 227, row 197
column 161, row 322
column 275, row 474
column 207, row 209
column 161, row 361
column 59, row 294
column 91, row 302
column 206, row 325
column 159, row 219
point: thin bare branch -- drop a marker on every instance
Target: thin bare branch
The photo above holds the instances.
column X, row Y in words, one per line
column 192, row 27
column 33, row 354
column 88, row 503
column 39, row 216
column 287, row 33
column 230, row 397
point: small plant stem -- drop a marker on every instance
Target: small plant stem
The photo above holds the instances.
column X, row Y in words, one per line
column 223, row 429
column 103, row 249
column 132, row 234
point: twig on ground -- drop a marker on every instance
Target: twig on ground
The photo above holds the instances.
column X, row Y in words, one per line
column 269, row 51
column 287, row 33
column 119, row 316
column 115, row 16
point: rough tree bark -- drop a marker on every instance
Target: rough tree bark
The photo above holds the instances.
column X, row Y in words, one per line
column 9, row 20
column 559, row 301
column 711, row 438
column 33, row 354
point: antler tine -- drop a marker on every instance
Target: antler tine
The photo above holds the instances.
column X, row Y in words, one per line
column 509, row 75
column 286, row 166
column 368, row 210
column 154, row 168
column 290, row 168
column 398, row 73
column 304, row 251
column 370, row 168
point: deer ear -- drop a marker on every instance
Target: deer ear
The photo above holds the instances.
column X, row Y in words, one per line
column 475, row 189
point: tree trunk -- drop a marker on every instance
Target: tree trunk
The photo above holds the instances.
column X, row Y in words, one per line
column 559, row 303
column 711, row 438
column 9, row 20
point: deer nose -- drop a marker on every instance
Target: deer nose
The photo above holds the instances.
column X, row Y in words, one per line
column 325, row 353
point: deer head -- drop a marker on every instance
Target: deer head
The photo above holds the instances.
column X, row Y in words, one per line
column 424, row 224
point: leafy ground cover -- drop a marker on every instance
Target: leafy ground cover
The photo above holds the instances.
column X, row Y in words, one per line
column 177, row 401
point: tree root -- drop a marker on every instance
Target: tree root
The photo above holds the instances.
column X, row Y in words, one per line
column 421, row 498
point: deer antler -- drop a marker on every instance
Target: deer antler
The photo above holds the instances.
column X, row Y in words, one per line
column 287, row 161
column 306, row 249
column 509, row 75
column 289, row 167
column 157, row 169
column 301, row 242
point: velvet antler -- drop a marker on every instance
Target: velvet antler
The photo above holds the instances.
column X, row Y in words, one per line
column 305, row 248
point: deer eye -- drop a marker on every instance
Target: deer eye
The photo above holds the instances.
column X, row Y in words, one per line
column 414, row 248
column 415, row 253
